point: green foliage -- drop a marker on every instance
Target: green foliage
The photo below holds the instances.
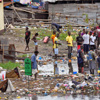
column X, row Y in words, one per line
column 44, row 32
column 92, row 23
column 69, row 26
column 9, row 65
column 74, row 37
column 64, row 35
column 24, row 55
column 86, row 19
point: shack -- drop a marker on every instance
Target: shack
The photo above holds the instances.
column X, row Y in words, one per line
column 1, row 17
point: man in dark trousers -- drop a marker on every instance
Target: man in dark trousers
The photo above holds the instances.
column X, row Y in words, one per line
column 79, row 41
column 98, row 35
column 57, row 26
column 27, row 38
column 80, row 57
column 34, row 64
column 69, row 40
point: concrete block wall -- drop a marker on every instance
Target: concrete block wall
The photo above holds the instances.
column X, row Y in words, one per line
column 93, row 11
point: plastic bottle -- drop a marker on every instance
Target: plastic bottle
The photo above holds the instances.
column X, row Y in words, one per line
column 45, row 94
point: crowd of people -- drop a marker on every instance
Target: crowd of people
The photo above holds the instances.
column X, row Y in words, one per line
column 87, row 44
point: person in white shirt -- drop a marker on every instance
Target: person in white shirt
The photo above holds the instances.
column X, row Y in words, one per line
column 92, row 41
column 86, row 42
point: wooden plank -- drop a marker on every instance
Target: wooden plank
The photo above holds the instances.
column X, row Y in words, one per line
column 28, row 10
column 19, row 9
column 37, row 19
column 18, row 15
column 17, row 51
column 33, row 12
column 6, row 19
column 50, row 23
column 71, row 16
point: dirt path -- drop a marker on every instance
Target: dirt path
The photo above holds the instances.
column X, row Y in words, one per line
column 44, row 49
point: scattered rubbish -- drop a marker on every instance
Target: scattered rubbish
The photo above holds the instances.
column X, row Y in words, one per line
column 18, row 97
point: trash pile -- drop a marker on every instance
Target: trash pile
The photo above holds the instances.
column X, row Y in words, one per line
column 78, row 84
column 55, row 84
column 47, row 85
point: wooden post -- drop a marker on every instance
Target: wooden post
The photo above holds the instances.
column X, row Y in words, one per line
column 52, row 17
column 6, row 19
column 18, row 15
column 12, row 17
column 12, row 14
column 3, row 53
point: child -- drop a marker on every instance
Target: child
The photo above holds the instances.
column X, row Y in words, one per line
column 35, row 41
column 91, row 58
column 53, row 37
column 98, row 60
column 56, row 43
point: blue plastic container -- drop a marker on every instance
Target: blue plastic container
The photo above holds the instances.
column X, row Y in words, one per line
column 45, row 94
column 74, row 72
column 34, row 7
column 40, row 58
column 7, row 7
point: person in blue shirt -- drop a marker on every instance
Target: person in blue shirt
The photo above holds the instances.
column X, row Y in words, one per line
column 34, row 64
column 80, row 60
column 98, row 60
column 57, row 26
column 91, row 58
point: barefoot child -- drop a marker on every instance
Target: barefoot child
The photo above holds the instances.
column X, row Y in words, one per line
column 35, row 41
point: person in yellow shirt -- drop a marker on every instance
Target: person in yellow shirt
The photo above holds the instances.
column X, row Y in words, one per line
column 69, row 40
column 53, row 37
column 56, row 46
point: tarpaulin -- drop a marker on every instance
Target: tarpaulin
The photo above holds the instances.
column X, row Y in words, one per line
column 25, row 1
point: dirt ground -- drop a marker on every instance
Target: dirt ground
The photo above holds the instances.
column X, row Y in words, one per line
column 43, row 83
column 44, row 49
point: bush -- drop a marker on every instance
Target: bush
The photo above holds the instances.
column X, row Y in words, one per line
column 9, row 65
